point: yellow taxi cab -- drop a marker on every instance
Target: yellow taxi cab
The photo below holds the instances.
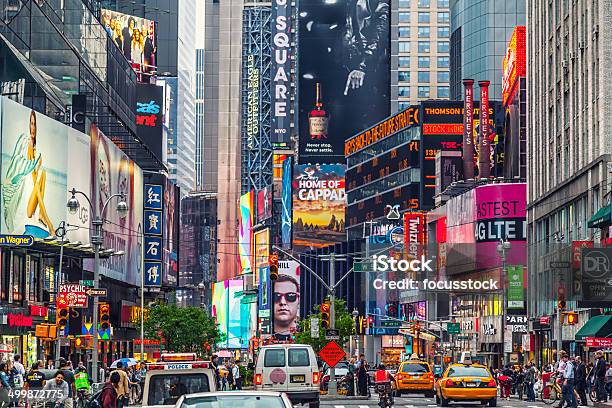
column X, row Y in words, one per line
column 414, row 376
column 466, row 381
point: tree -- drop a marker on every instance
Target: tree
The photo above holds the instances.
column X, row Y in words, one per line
column 183, row 329
column 344, row 323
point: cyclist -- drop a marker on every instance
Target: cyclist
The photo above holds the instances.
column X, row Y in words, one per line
column 384, row 378
column 81, row 383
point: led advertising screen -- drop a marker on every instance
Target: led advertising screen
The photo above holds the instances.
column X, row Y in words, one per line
column 344, row 74
column 286, row 298
column 37, row 176
column 280, row 128
column 149, row 117
column 134, row 36
column 264, row 204
column 246, row 232
column 262, row 251
column 319, row 205
column 287, row 204
column 228, row 310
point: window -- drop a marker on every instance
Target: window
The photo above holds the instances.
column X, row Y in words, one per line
column 404, row 32
column 404, row 17
column 423, row 92
column 415, row 368
column 443, row 17
column 443, row 4
column 404, row 3
column 423, row 62
column 443, row 46
column 423, row 77
column 404, row 105
column 443, row 62
column 404, row 62
column 423, row 32
column 404, row 46
column 404, row 76
column 274, row 358
column 424, row 46
column 443, row 92
column 443, row 76
column 443, row 32
column 468, row 371
column 18, row 291
column 423, row 16
column 424, row 3
column 299, row 357
column 404, row 91
column 166, row 389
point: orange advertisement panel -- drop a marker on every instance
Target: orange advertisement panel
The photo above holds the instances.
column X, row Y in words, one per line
column 514, row 65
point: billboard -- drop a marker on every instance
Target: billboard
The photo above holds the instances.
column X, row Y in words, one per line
column 253, row 103
column 415, row 234
column 286, row 194
column 246, row 232
column 515, row 63
column 280, row 128
column 227, row 309
column 286, row 298
column 262, row 251
column 264, row 298
column 319, row 205
column 264, row 204
column 149, row 117
column 135, row 37
column 344, row 76
column 153, row 233
column 596, row 272
column 36, row 177
column 171, row 233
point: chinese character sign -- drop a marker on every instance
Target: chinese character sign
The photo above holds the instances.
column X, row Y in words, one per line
column 153, row 234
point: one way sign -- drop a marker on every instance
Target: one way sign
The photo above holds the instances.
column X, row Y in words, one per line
column 96, row 292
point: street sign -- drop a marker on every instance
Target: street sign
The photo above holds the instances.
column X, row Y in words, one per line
column 559, row 265
column 390, row 323
column 248, row 298
column 96, row 292
column 87, row 283
column 72, row 295
column 453, row 328
column 314, row 327
column 332, row 334
column 332, row 353
column 363, row 266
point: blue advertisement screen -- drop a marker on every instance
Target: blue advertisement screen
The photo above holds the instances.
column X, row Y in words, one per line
column 286, row 198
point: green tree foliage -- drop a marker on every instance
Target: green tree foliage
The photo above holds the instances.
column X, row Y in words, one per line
column 183, row 329
column 344, row 323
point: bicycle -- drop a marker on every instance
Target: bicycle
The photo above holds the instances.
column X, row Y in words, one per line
column 82, row 398
column 551, row 392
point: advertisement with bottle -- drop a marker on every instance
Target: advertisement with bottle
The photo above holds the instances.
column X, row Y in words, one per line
column 344, row 74
column 319, row 205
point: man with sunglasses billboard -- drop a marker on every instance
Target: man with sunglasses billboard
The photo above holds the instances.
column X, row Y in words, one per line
column 286, row 306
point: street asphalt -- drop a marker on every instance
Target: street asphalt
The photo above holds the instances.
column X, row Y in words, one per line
column 413, row 401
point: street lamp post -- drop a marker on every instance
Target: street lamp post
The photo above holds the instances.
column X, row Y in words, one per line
column 96, row 240
column 502, row 248
column 355, row 316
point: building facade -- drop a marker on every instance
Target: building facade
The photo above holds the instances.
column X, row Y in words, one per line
column 569, row 112
column 420, row 51
column 480, row 30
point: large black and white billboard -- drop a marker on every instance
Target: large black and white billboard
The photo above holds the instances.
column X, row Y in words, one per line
column 281, row 73
column 344, row 75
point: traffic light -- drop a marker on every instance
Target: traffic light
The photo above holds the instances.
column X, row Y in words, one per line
column 61, row 316
column 273, row 261
column 570, row 318
column 561, row 304
column 325, row 315
column 370, row 322
column 104, row 316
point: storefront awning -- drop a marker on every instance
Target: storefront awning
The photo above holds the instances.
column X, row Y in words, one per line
column 601, row 218
column 597, row 326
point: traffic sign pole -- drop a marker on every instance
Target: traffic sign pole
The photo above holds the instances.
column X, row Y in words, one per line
column 332, row 388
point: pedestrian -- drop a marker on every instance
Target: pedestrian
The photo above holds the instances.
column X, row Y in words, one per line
column 599, row 368
column 123, row 386
column 35, row 381
column 68, row 377
column 505, row 382
column 214, row 362
column 5, row 386
column 568, row 383
column 19, row 370
column 581, row 381
column 58, row 390
column 530, row 379
column 108, row 397
column 237, row 376
column 609, row 381
column 362, row 376
column 50, row 364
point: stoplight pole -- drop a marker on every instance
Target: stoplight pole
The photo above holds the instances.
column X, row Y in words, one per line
column 58, row 231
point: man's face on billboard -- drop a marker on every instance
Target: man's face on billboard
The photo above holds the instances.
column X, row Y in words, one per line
column 286, row 304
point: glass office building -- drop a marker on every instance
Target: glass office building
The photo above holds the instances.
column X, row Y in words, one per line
column 480, row 30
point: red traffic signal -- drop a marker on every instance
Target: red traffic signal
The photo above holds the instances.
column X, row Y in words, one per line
column 104, row 316
column 273, row 262
column 325, row 315
column 370, row 321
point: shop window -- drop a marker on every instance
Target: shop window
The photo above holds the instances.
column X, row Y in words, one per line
column 17, row 286
column 34, row 280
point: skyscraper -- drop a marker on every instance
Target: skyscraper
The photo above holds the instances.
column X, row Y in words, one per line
column 420, row 61
column 480, row 30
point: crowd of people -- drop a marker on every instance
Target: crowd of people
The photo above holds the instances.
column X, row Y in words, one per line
column 577, row 380
column 66, row 385
column 227, row 377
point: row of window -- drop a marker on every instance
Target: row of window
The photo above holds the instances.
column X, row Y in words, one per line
column 425, row 46
column 424, row 76
column 424, row 92
column 424, row 32
column 424, row 3
column 423, row 62
column 425, row 17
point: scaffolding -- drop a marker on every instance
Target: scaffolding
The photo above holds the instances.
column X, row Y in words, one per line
column 256, row 141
